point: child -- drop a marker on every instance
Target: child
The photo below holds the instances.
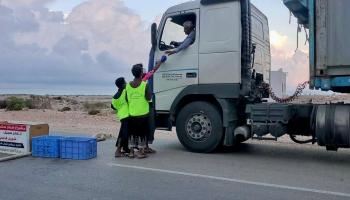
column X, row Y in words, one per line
column 119, row 103
column 138, row 95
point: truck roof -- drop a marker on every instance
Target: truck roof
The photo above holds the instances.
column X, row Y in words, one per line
column 195, row 4
column 185, row 6
column 261, row 14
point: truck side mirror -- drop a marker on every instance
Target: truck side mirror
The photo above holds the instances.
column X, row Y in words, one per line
column 154, row 35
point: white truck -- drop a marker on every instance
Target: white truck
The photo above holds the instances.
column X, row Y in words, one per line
column 213, row 91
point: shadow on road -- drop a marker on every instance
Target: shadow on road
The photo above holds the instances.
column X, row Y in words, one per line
column 295, row 152
column 277, row 151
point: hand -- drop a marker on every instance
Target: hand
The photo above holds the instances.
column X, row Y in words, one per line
column 170, row 52
column 158, row 62
column 163, row 59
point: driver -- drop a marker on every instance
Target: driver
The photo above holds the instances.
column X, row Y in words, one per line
column 190, row 31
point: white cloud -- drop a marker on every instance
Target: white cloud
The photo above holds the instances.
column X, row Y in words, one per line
column 294, row 62
column 278, row 40
column 25, row 3
column 110, row 26
column 97, row 42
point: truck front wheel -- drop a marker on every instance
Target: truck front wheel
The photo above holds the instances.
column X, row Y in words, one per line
column 199, row 127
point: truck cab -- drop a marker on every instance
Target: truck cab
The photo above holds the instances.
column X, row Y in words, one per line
column 214, row 90
column 203, row 89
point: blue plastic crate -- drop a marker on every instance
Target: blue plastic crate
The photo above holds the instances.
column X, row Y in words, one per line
column 78, row 148
column 46, row 146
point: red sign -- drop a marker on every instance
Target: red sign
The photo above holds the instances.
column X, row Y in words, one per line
column 13, row 127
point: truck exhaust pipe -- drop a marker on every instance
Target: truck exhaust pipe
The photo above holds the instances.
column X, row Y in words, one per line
column 242, row 134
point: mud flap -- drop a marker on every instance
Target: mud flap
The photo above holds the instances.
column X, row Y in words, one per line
column 229, row 119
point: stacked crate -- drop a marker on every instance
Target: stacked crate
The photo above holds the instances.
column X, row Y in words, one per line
column 74, row 148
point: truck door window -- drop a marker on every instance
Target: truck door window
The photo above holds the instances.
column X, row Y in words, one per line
column 174, row 31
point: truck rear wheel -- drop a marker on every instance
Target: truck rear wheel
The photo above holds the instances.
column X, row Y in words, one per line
column 199, row 127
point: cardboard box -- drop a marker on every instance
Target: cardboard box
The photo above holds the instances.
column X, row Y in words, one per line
column 16, row 138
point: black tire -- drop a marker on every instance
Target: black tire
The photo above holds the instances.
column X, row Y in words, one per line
column 199, row 127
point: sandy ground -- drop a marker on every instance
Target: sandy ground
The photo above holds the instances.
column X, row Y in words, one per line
column 72, row 122
column 75, row 121
column 65, row 122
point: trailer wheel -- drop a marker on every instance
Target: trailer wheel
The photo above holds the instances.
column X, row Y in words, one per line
column 199, row 127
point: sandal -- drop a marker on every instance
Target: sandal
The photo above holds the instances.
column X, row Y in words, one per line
column 118, row 154
column 150, row 150
column 141, row 156
column 131, row 154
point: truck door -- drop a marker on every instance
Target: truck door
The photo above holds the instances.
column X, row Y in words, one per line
column 181, row 69
column 220, row 43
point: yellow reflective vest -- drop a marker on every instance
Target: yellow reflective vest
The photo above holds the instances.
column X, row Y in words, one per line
column 122, row 106
column 138, row 104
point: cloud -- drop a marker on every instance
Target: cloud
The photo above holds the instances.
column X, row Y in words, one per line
column 110, row 26
column 278, row 40
column 294, row 62
column 97, row 42
column 25, row 3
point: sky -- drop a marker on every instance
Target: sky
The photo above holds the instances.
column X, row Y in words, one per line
column 81, row 46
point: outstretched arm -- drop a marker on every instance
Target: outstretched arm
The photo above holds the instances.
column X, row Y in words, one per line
column 150, row 74
column 184, row 45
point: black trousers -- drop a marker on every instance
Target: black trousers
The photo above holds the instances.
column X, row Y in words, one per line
column 138, row 131
column 123, row 136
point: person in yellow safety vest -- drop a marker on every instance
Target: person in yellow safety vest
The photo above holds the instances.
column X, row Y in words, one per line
column 120, row 105
column 138, row 97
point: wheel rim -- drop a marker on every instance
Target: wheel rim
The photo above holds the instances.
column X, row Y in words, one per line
column 198, row 127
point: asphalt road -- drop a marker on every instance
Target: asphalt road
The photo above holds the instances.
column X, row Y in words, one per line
column 253, row 171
